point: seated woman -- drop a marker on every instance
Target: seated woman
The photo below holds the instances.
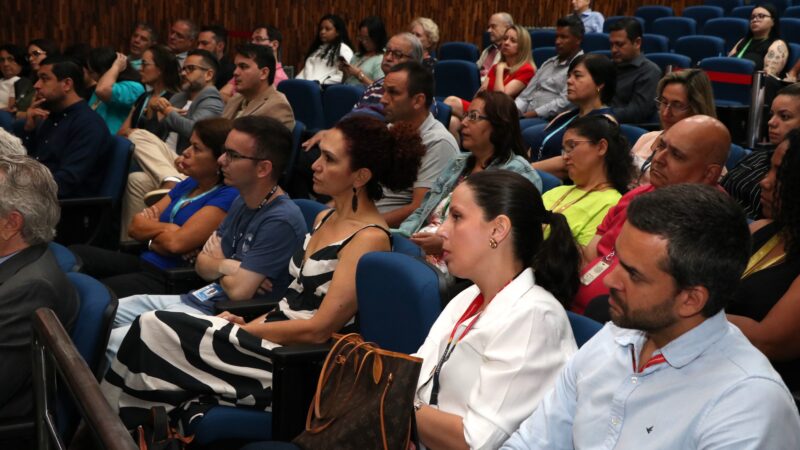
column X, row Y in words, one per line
column 330, row 47
column 491, row 134
column 117, row 88
column 160, row 73
column 742, row 182
column 359, row 156
column 510, row 75
column 174, row 227
column 427, row 32
column 13, row 68
column 591, row 83
column 597, row 160
column 762, row 43
column 499, row 345
column 681, row 94
column 365, row 67
column 765, row 306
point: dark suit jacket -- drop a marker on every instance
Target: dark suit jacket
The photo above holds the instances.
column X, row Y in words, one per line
column 28, row 280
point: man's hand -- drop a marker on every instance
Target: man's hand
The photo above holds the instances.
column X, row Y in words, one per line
column 213, row 247
column 36, row 114
column 150, row 213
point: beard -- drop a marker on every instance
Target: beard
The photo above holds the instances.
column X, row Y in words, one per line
column 656, row 318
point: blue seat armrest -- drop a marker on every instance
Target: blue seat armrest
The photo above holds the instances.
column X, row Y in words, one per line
column 300, row 353
column 84, row 201
column 248, row 309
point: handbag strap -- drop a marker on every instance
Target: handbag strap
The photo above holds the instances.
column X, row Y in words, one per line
column 389, row 381
column 327, row 369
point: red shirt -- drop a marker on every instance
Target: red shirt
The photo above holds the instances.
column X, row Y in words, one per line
column 523, row 74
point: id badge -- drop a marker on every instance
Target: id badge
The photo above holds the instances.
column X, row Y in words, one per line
column 206, row 293
column 594, row 272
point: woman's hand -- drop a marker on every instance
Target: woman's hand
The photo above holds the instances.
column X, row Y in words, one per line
column 232, row 318
column 151, row 213
column 501, row 67
column 430, row 243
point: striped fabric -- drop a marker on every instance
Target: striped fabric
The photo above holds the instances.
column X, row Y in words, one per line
column 741, row 182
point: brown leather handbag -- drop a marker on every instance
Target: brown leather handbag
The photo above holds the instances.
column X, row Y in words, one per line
column 364, row 398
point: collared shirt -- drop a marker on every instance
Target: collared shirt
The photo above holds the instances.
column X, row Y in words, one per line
column 372, row 97
column 637, row 81
column 547, row 92
column 592, row 21
column 7, row 257
column 712, row 389
column 489, row 57
column 74, row 144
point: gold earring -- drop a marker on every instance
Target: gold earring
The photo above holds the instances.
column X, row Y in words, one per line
column 492, row 243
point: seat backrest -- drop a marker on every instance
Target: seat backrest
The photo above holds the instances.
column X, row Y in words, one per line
column 310, row 210
column 583, row 327
column 533, row 137
column 632, row 133
column 613, row 19
column 543, row 38
column 606, row 53
column 486, row 39
column 673, row 28
column 791, row 12
column 780, row 5
column 297, row 137
column 700, row 46
column 790, row 30
column 401, row 244
column 542, row 54
column 742, row 12
column 703, row 13
column 442, row 112
column 794, row 54
column 726, row 5
column 729, row 28
column 595, row 41
column 305, row 96
column 549, row 181
column 735, row 154
column 338, row 100
column 731, row 79
column 667, row 61
column 398, row 300
column 119, row 160
column 459, row 78
column 67, row 260
column 465, row 51
column 654, row 43
column 93, row 325
column 651, row 13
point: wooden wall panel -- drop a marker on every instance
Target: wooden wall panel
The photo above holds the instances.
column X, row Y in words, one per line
column 109, row 22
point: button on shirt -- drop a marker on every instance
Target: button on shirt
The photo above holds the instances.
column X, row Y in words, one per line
column 547, row 92
column 74, row 145
column 712, row 389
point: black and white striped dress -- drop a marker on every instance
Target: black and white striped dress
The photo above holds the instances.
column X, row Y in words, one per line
column 181, row 360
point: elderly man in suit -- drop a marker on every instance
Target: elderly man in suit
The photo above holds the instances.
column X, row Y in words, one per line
column 30, row 277
column 256, row 96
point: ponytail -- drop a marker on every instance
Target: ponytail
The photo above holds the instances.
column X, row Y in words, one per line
column 557, row 263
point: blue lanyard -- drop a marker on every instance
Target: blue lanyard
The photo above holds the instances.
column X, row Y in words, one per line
column 183, row 201
column 549, row 136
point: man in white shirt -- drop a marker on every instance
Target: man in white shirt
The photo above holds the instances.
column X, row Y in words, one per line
column 498, row 24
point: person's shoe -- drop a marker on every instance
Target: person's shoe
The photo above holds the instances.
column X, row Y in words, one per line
column 152, row 197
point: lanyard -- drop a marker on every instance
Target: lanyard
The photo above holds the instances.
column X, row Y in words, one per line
column 556, row 209
column 549, row 136
column 184, row 200
column 237, row 231
column 744, row 49
column 759, row 262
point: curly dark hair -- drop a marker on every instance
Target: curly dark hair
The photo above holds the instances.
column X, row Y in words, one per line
column 393, row 155
column 619, row 163
column 787, row 210
column 506, row 137
column 332, row 51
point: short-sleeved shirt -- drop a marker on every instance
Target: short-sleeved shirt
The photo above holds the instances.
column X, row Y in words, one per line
column 220, row 196
column 263, row 239
column 585, row 211
column 115, row 111
column 440, row 147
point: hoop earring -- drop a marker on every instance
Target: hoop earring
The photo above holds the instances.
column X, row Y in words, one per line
column 355, row 199
column 492, row 243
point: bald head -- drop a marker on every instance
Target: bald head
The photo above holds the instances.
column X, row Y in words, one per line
column 694, row 150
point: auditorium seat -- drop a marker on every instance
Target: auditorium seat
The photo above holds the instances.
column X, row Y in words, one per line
column 338, row 100
column 297, row 139
column 790, row 30
column 545, row 37
column 700, row 46
column 305, row 96
column 731, row 29
column 703, row 13
column 459, row 78
column 735, row 154
column 731, row 79
column 464, row 51
column 613, row 19
column 794, row 55
column 673, row 28
column 654, row 43
column 583, row 328
column 542, row 54
column 595, row 41
column 549, row 181
column 742, row 12
column 726, row 5
column 670, row 61
column 632, row 133
column 780, row 5
column 67, row 260
column 791, row 12
column 651, row 13
column 442, row 112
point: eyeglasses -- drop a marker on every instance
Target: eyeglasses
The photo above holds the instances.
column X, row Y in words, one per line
column 36, row 54
column 233, row 155
column 396, row 53
column 191, row 68
column 569, row 145
column 474, row 116
column 147, row 63
column 674, row 106
column 760, row 17
column 259, row 39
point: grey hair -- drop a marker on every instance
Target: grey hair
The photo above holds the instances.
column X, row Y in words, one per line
column 506, row 18
column 430, row 28
column 28, row 187
column 10, row 144
column 416, row 46
column 193, row 29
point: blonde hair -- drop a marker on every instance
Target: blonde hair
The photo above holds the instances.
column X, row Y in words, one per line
column 430, row 28
column 698, row 90
column 523, row 49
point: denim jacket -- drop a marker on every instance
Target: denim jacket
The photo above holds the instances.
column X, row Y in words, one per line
column 446, row 183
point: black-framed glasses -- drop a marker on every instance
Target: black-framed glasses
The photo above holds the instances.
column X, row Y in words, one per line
column 570, row 144
column 760, row 17
column 395, row 53
column 674, row 106
column 191, row 68
column 474, row 116
column 233, row 155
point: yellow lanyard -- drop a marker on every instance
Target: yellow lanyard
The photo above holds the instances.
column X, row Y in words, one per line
column 555, row 208
column 759, row 262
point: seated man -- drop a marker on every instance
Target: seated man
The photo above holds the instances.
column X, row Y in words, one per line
column 181, row 38
column 250, row 251
column 694, row 150
column 407, row 99
column 214, row 38
column 62, row 132
column 30, row 277
column 498, row 24
column 143, row 37
column 267, row 36
column 546, row 94
column 670, row 372
column 637, row 76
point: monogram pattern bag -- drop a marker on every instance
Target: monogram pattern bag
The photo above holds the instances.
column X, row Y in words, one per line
column 364, row 399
